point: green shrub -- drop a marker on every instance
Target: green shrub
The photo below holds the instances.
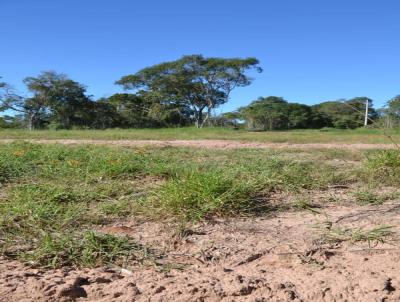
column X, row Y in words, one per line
column 384, row 166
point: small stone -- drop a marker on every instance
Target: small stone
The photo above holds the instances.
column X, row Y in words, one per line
column 126, row 272
column 101, row 280
column 387, row 286
column 159, row 289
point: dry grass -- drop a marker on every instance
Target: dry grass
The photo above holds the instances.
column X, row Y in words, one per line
column 53, row 196
column 294, row 136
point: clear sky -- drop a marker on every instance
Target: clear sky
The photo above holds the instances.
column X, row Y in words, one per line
column 311, row 50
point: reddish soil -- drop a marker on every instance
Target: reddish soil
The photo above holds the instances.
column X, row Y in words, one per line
column 209, row 144
column 275, row 258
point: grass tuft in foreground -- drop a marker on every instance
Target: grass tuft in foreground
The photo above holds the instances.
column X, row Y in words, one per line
column 384, row 166
column 85, row 248
column 335, row 234
column 52, row 197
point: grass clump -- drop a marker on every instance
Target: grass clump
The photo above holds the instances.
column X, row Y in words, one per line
column 201, row 194
column 384, row 166
column 87, row 249
column 366, row 197
column 53, row 195
column 304, row 203
column 45, row 225
column 16, row 161
column 372, row 236
column 28, row 210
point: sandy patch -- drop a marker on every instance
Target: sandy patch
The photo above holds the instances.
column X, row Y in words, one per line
column 279, row 258
column 208, row 144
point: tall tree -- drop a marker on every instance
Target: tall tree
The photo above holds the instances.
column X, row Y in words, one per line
column 346, row 114
column 132, row 110
column 394, row 106
column 393, row 112
column 64, row 98
column 103, row 115
column 268, row 113
column 195, row 81
column 300, row 116
column 30, row 108
column 5, row 92
column 145, row 110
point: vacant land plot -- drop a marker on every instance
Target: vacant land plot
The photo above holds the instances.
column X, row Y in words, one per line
column 363, row 136
column 114, row 223
column 205, row 144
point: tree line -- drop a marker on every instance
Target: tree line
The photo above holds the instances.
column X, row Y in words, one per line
column 177, row 93
column 275, row 113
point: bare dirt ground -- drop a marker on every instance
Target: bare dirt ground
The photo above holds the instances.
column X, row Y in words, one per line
column 274, row 258
column 209, row 144
column 280, row 257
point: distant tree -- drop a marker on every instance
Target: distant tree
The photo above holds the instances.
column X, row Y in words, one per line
column 272, row 113
column 29, row 108
column 346, row 113
column 64, row 99
column 34, row 112
column 146, row 110
column 230, row 119
column 8, row 121
column 394, row 106
column 319, row 119
column 103, row 115
column 132, row 110
column 300, row 116
column 358, row 105
column 3, row 123
column 55, row 99
column 199, row 83
column 391, row 113
column 3, row 95
column 2, row 84
column 268, row 113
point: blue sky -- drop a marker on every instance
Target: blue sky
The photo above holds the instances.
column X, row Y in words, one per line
column 310, row 50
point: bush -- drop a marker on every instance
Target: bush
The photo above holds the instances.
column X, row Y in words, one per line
column 384, row 166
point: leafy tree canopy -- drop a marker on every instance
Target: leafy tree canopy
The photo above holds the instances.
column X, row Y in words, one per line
column 194, row 81
column 273, row 112
column 64, row 99
column 346, row 113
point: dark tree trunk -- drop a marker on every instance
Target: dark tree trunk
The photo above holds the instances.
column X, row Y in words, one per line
column 207, row 117
column 31, row 121
column 199, row 118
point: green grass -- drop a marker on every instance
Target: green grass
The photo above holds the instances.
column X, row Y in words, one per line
column 84, row 248
column 367, row 197
column 384, row 166
column 53, row 197
column 373, row 235
column 294, row 136
column 200, row 194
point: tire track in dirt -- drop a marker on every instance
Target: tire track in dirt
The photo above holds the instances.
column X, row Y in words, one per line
column 206, row 144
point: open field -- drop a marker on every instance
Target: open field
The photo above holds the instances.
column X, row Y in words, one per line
column 152, row 223
column 371, row 136
column 204, row 144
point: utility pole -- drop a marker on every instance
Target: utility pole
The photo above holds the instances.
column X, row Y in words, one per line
column 366, row 112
